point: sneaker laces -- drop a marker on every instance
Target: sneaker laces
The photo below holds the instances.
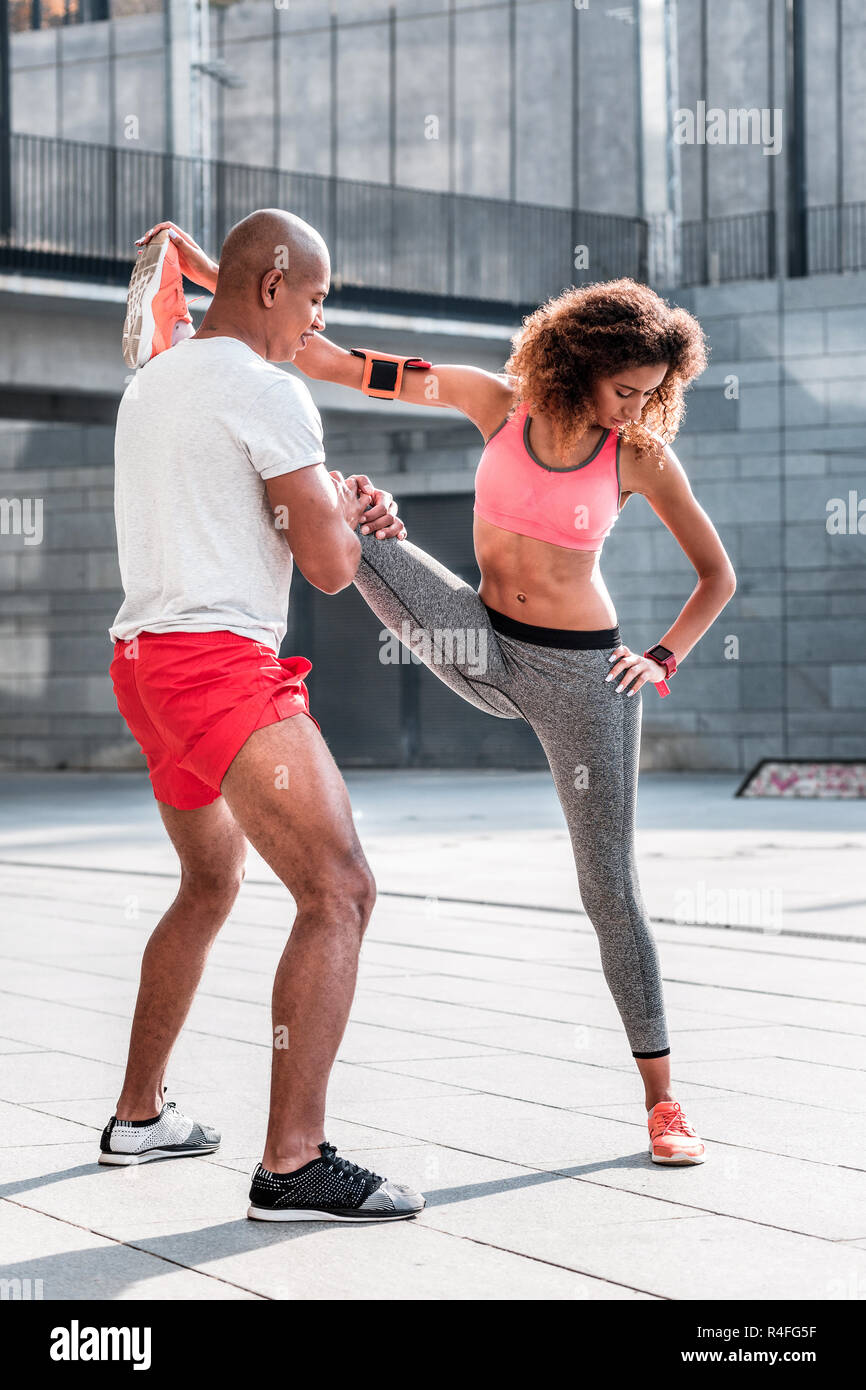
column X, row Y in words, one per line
column 677, row 1124
column 344, row 1166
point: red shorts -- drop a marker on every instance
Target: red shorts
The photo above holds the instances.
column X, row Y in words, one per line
column 192, row 699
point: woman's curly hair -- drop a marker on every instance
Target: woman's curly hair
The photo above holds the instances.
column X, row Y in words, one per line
column 585, row 334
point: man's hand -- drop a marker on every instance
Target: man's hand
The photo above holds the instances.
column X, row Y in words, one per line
column 380, row 515
column 195, row 263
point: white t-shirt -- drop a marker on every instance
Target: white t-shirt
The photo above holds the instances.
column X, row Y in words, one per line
column 199, row 430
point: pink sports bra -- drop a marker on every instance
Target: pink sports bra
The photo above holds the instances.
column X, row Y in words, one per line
column 573, row 507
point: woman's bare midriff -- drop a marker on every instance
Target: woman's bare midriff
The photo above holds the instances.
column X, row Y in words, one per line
column 545, row 585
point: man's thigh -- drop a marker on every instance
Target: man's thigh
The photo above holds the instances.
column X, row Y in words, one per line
column 287, row 795
column 208, row 841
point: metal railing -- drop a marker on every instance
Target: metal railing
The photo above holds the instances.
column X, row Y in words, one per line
column 71, row 208
column 739, row 247
column 77, row 208
column 836, row 238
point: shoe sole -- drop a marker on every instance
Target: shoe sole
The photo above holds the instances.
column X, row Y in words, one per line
column 265, row 1214
column 139, row 327
column 684, row 1159
column 126, row 1160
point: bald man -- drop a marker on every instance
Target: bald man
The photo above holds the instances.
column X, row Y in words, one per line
column 220, row 482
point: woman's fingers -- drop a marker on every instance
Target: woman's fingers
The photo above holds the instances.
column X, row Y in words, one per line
column 630, row 669
column 629, row 675
column 394, row 529
column 149, row 235
column 622, row 658
column 161, row 227
column 381, row 510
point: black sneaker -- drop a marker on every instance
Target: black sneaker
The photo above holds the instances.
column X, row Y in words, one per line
column 170, row 1134
column 329, row 1189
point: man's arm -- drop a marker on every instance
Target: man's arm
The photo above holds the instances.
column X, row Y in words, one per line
column 319, row 513
column 483, row 397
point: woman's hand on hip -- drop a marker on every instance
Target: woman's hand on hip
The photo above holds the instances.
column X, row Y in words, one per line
column 633, row 670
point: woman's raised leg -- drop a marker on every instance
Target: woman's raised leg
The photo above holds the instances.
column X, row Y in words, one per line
column 440, row 618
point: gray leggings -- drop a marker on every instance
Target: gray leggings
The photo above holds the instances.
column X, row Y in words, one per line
column 590, row 736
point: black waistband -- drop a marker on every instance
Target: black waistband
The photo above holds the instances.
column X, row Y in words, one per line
column 571, row 639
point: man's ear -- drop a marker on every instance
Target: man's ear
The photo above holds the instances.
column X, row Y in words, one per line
column 268, row 288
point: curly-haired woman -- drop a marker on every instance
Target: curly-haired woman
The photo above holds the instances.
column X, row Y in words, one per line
column 581, row 419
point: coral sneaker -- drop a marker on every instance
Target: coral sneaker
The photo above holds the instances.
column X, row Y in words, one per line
column 157, row 316
column 672, row 1139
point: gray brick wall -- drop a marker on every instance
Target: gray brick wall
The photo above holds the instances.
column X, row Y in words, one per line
column 56, row 602
column 766, row 466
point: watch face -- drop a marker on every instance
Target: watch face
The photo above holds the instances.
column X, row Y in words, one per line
column 660, row 654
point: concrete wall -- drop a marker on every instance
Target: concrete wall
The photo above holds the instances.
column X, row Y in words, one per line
column 495, row 84
column 776, row 430
column 535, row 100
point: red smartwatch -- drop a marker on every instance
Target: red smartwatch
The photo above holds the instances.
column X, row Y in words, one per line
column 663, row 656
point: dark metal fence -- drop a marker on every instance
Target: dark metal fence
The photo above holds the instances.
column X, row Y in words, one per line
column 836, row 238
column 77, row 209
column 740, row 247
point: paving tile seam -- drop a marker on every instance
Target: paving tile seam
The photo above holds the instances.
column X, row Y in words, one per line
column 590, row 934
column 472, row 902
column 552, row 962
column 392, row 1068
column 417, row 1142
column 723, row 1215
column 668, row 980
column 727, row 1144
column 764, row 1057
column 746, row 1023
column 625, row 1069
column 596, row 972
column 553, row 1264
column 130, row 1245
column 528, row 927
column 54, row 1144
column 247, row 1042
column 627, row 1191
column 568, row 932
column 546, row 1018
column 35, row 917
column 64, row 1052
column 49, row 1114
column 41, row 963
column 188, row 1029
column 420, row 1226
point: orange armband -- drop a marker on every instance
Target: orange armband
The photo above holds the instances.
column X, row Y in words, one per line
column 383, row 372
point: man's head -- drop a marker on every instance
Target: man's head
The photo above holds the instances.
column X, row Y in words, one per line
column 274, row 273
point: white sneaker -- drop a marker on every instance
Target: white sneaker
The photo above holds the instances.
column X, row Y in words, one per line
column 170, row 1135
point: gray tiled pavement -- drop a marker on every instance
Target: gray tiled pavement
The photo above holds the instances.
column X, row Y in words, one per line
column 484, row 1062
